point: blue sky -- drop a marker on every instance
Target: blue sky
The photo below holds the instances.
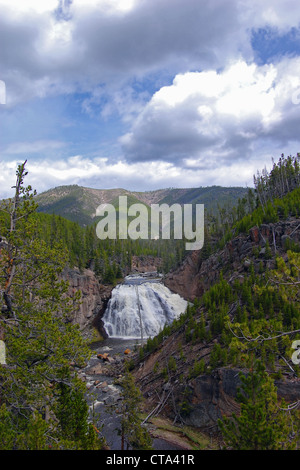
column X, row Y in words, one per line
column 147, row 94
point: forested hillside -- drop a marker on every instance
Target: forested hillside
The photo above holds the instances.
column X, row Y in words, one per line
column 79, row 204
column 240, row 332
column 42, row 399
column 109, row 259
column 246, row 321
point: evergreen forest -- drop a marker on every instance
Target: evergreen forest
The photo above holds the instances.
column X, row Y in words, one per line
column 252, row 324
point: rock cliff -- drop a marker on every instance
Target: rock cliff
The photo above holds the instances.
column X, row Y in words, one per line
column 214, row 396
column 94, row 298
column 142, row 264
column 202, row 400
column 194, row 276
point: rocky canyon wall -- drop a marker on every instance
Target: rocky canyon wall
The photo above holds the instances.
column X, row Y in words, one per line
column 194, row 276
column 143, row 264
column 94, row 298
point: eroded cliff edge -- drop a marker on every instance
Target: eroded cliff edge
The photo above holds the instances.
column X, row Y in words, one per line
column 94, row 299
column 194, row 276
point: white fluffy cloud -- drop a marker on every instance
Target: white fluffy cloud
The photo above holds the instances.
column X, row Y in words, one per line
column 29, row 6
column 52, row 47
column 283, row 15
column 140, row 176
column 181, row 75
column 208, row 118
column 105, row 42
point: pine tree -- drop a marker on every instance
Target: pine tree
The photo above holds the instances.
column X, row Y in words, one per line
column 132, row 431
column 42, row 344
column 261, row 425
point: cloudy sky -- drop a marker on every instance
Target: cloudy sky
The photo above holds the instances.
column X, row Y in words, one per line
column 147, row 94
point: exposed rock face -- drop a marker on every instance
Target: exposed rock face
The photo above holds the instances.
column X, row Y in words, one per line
column 214, row 396
column 194, row 276
column 204, row 399
column 184, row 280
column 145, row 264
column 94, row 298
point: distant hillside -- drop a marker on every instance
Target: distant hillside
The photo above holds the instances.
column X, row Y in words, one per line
column 76, row 203
column 79, row 204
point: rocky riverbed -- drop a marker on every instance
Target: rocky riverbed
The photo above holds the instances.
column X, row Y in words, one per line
column 102, row 374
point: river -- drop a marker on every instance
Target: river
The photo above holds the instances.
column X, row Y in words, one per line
column 138, row 308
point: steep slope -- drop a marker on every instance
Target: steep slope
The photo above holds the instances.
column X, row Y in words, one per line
column 194, row 276
column 94, row 297
column 190, row 372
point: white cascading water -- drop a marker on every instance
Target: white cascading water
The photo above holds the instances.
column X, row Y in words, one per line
column 141, row 310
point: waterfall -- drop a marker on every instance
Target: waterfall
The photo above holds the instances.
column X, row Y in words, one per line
column 141, row 309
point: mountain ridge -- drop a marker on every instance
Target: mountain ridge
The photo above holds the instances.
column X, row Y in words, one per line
column 79, row 203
